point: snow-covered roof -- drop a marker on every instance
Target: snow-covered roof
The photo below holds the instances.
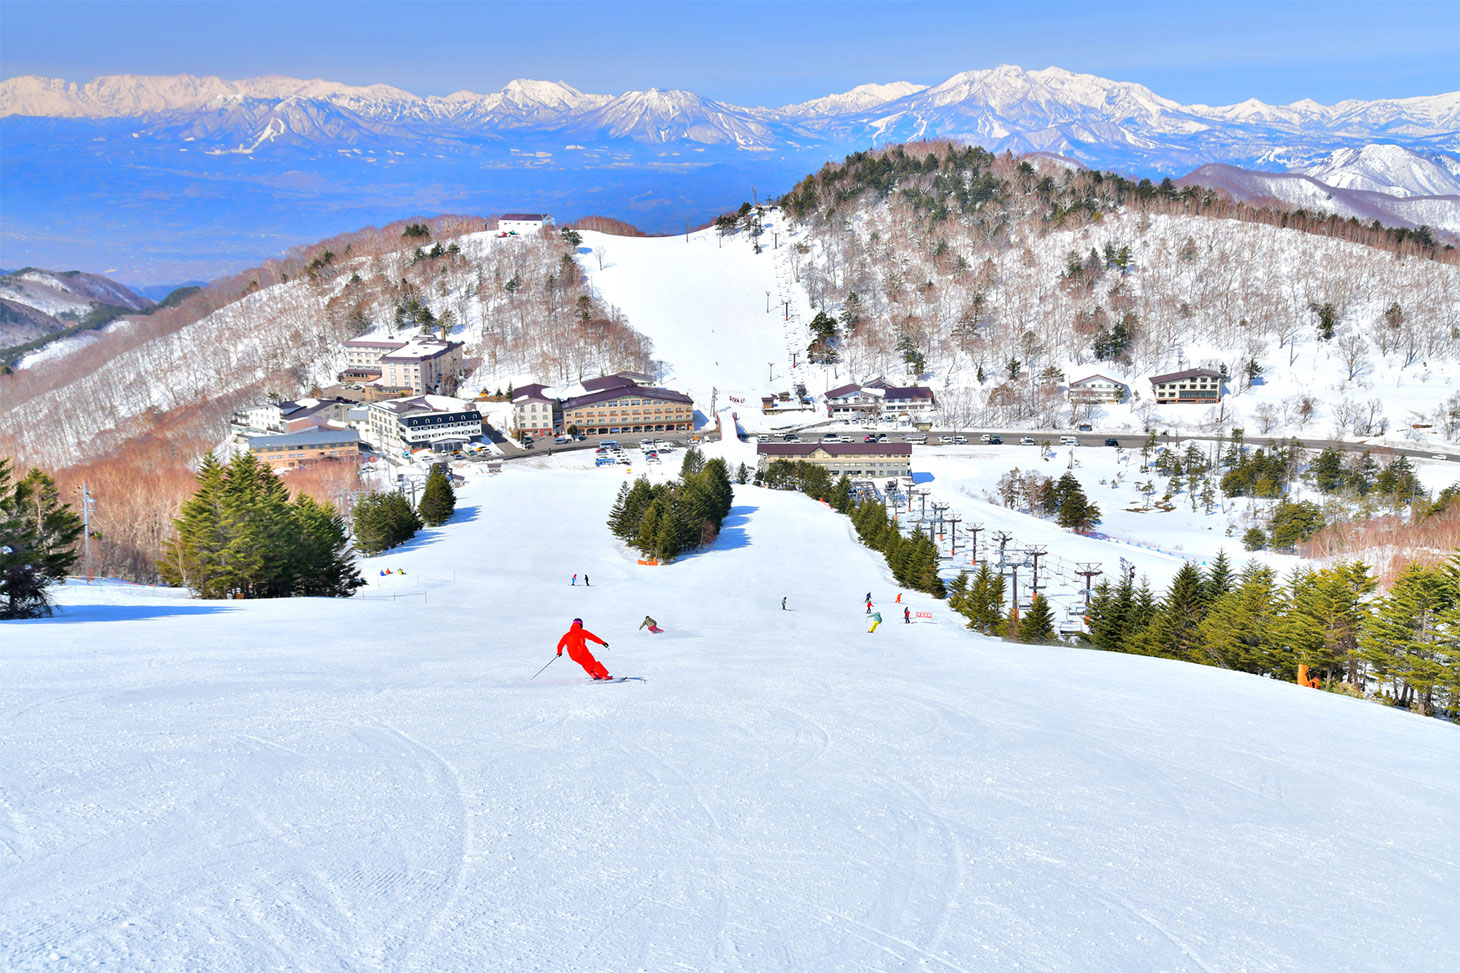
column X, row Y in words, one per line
column 309, row 437
column 1091, row 378
column 1189, row 373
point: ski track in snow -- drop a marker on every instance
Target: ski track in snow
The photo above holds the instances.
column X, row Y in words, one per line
column 378, row 784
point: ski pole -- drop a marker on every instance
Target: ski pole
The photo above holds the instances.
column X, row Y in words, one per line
column 539, row 672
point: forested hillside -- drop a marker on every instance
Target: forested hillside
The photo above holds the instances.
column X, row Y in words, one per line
column 998, row 280
column 519, row 304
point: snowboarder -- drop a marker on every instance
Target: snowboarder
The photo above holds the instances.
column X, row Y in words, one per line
column 783, row 602
column 876, row 620
column 651, row 625
column 575, row 581
column 575, row 640
column 906, row 617
column 899, row 597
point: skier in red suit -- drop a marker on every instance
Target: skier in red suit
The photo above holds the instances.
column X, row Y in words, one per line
column 574, row 640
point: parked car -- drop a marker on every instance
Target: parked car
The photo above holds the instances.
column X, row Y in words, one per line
column 562, row 439
column 1028, row 441
column 1111, row 441
column 869, row 439
column 882, row 438
column 609, row 443
column 917, row 439
column 986, row 438
column 945, row 440
column 1069, row 441
column 580, row 437
column 960, row 440
column 996, row 440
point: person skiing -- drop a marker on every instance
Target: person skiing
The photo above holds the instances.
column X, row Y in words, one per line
column 783, row 602
column 876, row 620
column 575, row 641
column 575, row 581
column 585, row 582
column 899, row 597
column 906, row 617
column 651, row 625
column 869, row 605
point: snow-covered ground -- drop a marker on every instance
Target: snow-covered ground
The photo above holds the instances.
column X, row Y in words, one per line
column 378, row 783
column 703, row 302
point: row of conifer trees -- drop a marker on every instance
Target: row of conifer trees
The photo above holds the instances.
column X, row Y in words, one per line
column 240, row 535
column 666, row 520
column 1402, row 648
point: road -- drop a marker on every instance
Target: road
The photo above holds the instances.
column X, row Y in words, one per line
column 1130, row 440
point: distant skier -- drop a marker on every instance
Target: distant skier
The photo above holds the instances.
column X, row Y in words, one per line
column 906, row 617
column 575, row 581
column 869, row 606
column 876, row 620
column 651, row 625
column 899, row 597
column 783, row 603
column 575, row 641
column 585, row 582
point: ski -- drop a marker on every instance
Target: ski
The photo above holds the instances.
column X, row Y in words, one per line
column 622, row 679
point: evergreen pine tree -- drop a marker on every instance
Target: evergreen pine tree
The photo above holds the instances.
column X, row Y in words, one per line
column 192, row 557
column 438, row 499
column 38, row 534
column 1173, row 631
column 1036, row 626
column 324, row 565
column 1218, row 580
column 647, row 540
column 1405, row 640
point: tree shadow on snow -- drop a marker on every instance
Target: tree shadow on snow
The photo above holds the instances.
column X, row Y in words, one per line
column 732, row 531
column 120, row 613
column 427, row 536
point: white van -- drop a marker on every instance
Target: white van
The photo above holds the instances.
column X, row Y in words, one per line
column 1069, row 441
column 917, row 439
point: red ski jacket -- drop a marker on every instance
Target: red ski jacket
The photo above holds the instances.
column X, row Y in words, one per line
column 573, row 640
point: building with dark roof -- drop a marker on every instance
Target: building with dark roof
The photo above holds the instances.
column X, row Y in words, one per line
column 535, row 412
column 877, row 398
column 629, row 408
column 1097, row 388
column 838, row 459
column 521, row 223
column 302, row 448
column 1194, row 386
column 398, row 426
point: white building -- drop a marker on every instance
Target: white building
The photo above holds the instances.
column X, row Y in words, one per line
column 522, row 223
column 1096, row 389
column 422, row 365
column 283, row 418
column 877, row 398
column 397, row 426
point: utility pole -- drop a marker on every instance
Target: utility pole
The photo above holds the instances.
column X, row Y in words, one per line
column 974, row 529
column 87, row 502
column 768, row 302
column 772, row 366
column 787, row 308
column 1088, row 570
column 1035, row 553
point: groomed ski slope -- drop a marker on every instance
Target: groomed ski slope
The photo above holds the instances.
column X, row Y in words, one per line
column 376, row 784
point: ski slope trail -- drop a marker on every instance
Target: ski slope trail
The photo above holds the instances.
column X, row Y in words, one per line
column 714, row 309
column 378, row 783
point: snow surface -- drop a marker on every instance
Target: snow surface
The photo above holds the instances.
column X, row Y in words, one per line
column 377, row 783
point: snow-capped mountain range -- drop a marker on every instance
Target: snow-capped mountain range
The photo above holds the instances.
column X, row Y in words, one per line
column 1093, row 119
column 225, row 163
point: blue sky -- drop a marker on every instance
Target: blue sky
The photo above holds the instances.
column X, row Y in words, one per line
column 756, row 53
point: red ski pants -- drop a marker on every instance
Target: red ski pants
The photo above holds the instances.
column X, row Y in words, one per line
column 585, row 659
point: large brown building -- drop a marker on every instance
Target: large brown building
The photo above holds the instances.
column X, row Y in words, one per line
column 851, row 459
column 1195, row 386
column 615, row 405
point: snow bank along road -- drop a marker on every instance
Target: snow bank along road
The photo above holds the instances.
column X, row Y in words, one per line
column 377, row 784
